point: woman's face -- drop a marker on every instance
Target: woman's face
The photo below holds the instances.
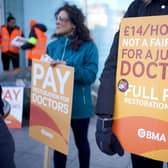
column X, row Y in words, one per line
column 63, row 24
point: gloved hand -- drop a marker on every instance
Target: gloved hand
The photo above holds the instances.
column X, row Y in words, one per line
column 105, row 138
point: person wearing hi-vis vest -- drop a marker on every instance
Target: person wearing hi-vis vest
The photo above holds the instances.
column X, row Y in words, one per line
column 36, row 45
column 106, row 140
column 10, row 53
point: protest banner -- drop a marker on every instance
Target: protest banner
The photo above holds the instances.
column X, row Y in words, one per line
column 51, row 102
column 14, row 96
column 141, row 102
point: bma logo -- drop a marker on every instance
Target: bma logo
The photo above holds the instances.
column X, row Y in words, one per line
column 147, row 134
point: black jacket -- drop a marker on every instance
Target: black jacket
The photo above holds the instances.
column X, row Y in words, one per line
column 106, row 93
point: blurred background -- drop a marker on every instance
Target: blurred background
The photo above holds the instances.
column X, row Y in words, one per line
column 102, row 18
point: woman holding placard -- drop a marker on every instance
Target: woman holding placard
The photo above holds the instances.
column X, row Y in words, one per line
column 75, row 47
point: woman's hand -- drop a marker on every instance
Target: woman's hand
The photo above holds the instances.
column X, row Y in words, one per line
column 54, row 63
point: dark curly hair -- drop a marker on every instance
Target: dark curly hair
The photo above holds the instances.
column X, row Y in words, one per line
column 81, row 33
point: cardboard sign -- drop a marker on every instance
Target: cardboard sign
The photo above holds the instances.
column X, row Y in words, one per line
column 14, row 96
column 51, row 103
column 141, row 102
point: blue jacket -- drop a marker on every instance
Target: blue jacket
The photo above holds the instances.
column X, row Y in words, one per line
column 85, row 63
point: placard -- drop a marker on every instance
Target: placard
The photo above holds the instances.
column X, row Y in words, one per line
column 141, row 102
column 51, row 103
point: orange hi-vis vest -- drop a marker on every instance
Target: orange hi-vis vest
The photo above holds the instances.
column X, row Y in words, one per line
column 40, row 48
column 5, row 39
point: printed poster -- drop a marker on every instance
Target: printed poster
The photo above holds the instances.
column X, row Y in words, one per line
column 141, row 102
column 14, row 95
column 51, row 102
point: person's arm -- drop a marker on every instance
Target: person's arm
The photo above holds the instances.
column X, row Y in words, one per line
column 105, row 99
column 32, row 41
column 105, row 138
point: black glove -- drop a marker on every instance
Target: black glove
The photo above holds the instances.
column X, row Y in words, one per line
column 105, row 138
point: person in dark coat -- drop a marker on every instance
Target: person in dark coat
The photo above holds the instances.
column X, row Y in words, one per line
column 7, row 146
column 105, row 138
